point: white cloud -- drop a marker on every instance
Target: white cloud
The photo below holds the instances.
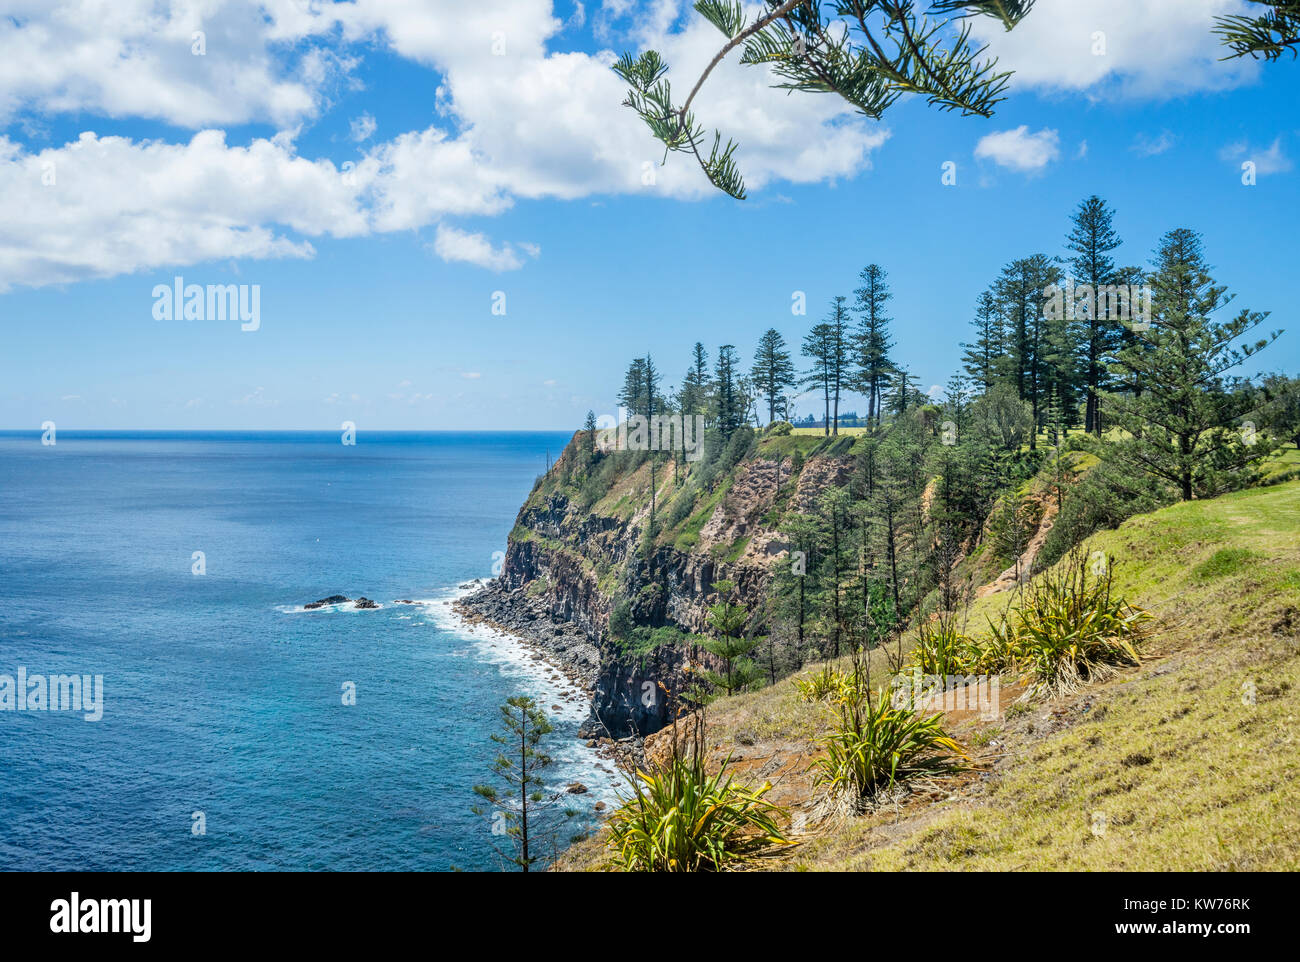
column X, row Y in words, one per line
column 452, row 244
column 1270, row 161
column 256, row 398
column 361, row 128
column 419, row 176
column 134, row 58
column 550, row 124
column 1155, row 48
column 101, row 206
column 1145, row 146
column 534, row 123
column 1020, row 150
column 471, row 375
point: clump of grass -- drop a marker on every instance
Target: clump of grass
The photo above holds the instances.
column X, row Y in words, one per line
column 875, row 745
column 942, row 649
column 1070, row 627
column 680, row 818
column 1225, row 561
column 982, row 738
column 825, row 684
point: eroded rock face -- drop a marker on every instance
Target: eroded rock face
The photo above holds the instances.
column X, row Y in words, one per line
column 631, row 695
column 1022, row 569
column 564, row 565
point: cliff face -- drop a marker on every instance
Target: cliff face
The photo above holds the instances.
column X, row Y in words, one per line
column 580, row 551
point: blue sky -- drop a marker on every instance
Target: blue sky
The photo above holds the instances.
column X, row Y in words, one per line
column 478, row 172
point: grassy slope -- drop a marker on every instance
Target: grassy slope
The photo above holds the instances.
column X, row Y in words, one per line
column 1187, row 773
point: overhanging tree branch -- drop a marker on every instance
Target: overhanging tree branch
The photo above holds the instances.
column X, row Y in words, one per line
column 869, row 52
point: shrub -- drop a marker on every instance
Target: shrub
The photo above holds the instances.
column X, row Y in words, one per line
column 680, row 509
column 739, row 446
column 877, row 746
column 1011, row 527
column 1104, row 498
column 941, row 649
column 1070, row 627
column 824, row 684
column 620, row 620
column 682, row 819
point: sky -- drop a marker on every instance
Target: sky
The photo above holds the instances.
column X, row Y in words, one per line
column 451, row 223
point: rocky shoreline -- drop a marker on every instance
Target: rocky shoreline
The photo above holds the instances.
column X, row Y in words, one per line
column 564, row 646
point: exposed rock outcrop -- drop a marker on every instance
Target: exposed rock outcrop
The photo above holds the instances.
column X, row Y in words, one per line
column 568, row 565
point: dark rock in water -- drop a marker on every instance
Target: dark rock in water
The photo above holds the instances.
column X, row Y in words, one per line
column 403, row 601
column 331, row 600
column 599, row 806
column 577, row 788
column 364, row 602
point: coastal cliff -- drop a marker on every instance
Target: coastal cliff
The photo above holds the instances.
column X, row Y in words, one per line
column 618, row 599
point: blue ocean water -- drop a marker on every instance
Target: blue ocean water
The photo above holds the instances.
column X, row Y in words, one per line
column 221, row 695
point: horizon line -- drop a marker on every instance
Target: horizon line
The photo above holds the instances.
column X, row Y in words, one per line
column 81, row 430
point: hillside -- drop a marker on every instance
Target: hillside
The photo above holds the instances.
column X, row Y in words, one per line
column 1185, row 762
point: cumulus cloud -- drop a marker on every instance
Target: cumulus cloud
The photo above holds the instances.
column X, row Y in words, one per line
column 528, row 122
column 452, row 244
column 1156, row 48
column 101, row 206
column 191, row 63
column 1018, row 149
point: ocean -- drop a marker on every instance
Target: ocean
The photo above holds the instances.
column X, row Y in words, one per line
column 226, row 741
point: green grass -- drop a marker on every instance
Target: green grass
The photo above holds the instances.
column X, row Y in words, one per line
column 688, row 535
column 1188, row 761
column 737, row 549
column 1224, row 562
column 1223, row 788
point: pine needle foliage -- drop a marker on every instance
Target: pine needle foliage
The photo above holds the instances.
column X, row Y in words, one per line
column 869, row 52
